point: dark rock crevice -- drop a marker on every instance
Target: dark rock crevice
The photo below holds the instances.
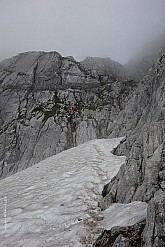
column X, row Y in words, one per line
column 131, row 236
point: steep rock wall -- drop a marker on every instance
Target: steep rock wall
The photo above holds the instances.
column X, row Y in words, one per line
column 143, row 120
column 38, row 94
column 101, row 66
column 142, row 177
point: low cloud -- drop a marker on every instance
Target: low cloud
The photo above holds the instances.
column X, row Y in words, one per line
column 106, row 28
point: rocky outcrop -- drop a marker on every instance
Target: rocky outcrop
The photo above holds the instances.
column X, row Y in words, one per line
column 154, row 232
column 121, row 242
column 125, row 214
column 124, row 224
column 129, row 236
column 143, row 121
column 147, row 232
column 49, row 103
column 143, row 174
column 102, row 66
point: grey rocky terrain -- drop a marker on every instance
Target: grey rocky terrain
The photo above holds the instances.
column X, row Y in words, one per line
column 142, row 121
column 49, row 103
column 105, row 66
column 142, row 177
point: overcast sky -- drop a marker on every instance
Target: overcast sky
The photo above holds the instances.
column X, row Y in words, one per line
column 106, row 28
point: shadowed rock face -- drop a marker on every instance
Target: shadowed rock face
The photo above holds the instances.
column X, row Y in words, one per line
column 143, row 174
column 143, row 120
column 129, row 236
column 154, row 232
column 38, row 118
column 103, row 66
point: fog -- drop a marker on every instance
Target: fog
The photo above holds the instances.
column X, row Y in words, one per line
column 104, row 28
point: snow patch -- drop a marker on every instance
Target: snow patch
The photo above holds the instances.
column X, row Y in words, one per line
column 55, row 203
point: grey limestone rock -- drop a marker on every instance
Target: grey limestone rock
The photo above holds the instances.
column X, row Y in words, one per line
column 143, row 174
column 121, row 242
column 38, row 91
column 154, row 232
column 121, row 236
column 143, row 121
column 124, row 224
column 125, row 214
column 101, row 66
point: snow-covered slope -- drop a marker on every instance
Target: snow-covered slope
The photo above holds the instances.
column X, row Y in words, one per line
column 55, row 203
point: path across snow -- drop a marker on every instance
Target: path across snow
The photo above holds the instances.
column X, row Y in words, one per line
column 55, row 203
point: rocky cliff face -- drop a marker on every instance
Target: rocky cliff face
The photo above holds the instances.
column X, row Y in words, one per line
column 49, row 103
column 102, row 66
column 143, row 120
column 143, row 174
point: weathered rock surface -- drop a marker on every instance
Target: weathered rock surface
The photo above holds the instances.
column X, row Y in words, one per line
column 117, row 221
column 143, row 119
column 129, row 236
column 102, row 66
column 154, row 232
column 38, row 91
column 121, row 242
column 125, row 214
column 143, row 174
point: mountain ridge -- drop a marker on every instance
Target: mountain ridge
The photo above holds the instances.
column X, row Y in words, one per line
column 47, row 98
column 142, row 175
column 49, row 103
